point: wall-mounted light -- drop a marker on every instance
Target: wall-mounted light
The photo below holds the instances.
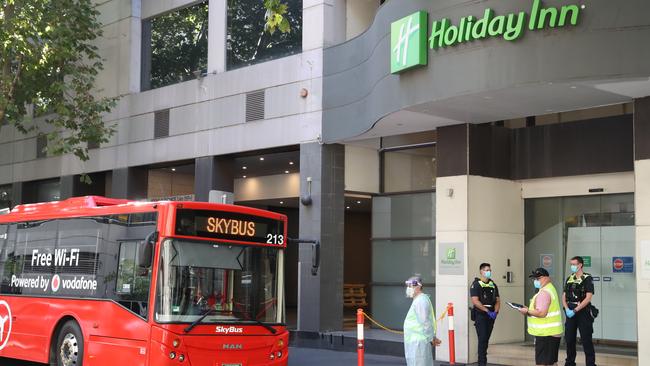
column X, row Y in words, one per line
column 306, row 199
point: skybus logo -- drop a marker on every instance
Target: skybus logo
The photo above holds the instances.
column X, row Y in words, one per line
column 229, row 330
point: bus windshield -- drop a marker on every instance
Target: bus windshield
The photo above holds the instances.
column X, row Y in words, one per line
column 235, row 284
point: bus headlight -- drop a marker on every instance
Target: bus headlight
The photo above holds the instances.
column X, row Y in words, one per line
column 272, row 356
column 181, row 358
column 176, row 343
column 172, row 355
column 279, row 354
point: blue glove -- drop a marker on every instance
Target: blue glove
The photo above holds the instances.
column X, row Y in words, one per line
column 492, row 314
column 569, row 313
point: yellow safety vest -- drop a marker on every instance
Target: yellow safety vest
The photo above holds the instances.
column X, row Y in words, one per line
column 551, row 324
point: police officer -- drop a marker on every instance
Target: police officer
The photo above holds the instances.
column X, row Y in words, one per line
column 485, row 297
column 578, row 290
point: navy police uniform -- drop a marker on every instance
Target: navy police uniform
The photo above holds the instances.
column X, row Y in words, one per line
column 487, row 294
column 576, row 289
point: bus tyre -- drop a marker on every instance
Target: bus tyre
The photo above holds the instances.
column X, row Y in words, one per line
column 69, row 349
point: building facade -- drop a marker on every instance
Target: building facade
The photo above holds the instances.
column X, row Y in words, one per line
column 411, row 136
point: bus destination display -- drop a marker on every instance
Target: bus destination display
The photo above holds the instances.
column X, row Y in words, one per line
column 229, row 226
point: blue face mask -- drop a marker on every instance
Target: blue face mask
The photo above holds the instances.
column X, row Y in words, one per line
column 488, row 274
column 574, row 268
column 537, row 284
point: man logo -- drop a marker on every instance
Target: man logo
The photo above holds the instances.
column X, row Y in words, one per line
column 409, row 42
column 5, row 323
column 233, row 346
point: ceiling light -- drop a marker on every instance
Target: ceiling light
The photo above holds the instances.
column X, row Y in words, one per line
column 282, row 202
column 291, row 163
column 173, row 169
column 573, row 87
column 262, row 158
column 286, row 172
column 244, row 167
column 244, row 177
column 359, row 202
column 348, row 207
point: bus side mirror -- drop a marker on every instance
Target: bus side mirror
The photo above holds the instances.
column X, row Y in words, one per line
column 145, row 250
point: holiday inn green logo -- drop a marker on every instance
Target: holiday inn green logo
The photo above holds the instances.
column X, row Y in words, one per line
column 408, row 42
column 409, row 34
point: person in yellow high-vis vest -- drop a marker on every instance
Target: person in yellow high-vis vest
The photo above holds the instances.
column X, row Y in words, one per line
column 419, row 326
column 545, row 319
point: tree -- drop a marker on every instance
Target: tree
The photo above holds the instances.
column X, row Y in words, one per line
column 49, row 62
column 252, row 35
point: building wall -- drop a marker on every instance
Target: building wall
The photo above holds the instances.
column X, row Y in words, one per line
column 207, row 116
column 488, row 80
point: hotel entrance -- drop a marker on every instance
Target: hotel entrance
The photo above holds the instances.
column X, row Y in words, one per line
column 601, row 230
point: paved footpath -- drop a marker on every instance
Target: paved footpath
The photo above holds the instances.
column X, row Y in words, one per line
column 300, row 357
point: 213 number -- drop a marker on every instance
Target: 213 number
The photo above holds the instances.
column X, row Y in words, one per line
column 274, row 239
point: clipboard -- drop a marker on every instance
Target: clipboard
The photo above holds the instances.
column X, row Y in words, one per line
column 514, row 305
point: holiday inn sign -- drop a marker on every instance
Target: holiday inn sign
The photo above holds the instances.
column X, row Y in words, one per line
column 410, row 36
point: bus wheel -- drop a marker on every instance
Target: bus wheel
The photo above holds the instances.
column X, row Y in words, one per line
column 69, row 345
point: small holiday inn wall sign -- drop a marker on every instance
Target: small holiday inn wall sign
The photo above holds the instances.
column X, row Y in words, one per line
column 410, row 36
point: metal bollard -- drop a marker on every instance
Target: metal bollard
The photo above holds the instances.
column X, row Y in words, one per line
column 452, row 339
column 360, row 342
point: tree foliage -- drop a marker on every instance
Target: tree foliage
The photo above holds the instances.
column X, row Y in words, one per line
column 49, row 63
column 252, row 35
column 179, row 45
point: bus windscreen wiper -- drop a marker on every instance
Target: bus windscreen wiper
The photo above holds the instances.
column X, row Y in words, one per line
column 270, row 328
column 210, row 311
column 200, row 319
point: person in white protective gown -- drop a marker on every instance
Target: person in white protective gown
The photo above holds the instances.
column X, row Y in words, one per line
column 419, row 326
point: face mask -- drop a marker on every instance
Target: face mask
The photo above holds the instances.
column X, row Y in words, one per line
column 537, row 284
column 574, row 268
column 410, row 291
column 487, row 274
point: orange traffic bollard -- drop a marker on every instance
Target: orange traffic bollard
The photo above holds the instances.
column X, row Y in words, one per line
column 360, row 348
column 452, row 340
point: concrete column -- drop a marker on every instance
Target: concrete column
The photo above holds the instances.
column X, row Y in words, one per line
column 135, row 47
column 323, row 23
column 217, row 33
column 17, row 193
column 320, row 296
column 131, row 183
column 484, row 218
column 213, row 173
column 642, row 214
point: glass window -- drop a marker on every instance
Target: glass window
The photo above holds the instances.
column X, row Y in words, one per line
column 410, row 170
column 7, row 257
column 248, row 43
column 235, row 283
column 175, row 46
column 403, row 244
column 171, row 183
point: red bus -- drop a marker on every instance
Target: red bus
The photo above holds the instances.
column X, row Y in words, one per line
column 94, row 281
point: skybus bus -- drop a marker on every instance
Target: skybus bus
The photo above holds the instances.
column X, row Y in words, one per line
column 92, row 281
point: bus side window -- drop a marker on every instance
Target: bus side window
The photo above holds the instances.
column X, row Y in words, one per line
column 7, row 257
column 132, row 285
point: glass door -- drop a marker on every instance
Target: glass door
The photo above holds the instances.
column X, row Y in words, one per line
column 586, row 242
column 618, row 308
column 601, row 230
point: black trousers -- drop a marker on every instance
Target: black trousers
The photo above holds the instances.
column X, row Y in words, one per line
column 581, row 321
column 484, row 326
